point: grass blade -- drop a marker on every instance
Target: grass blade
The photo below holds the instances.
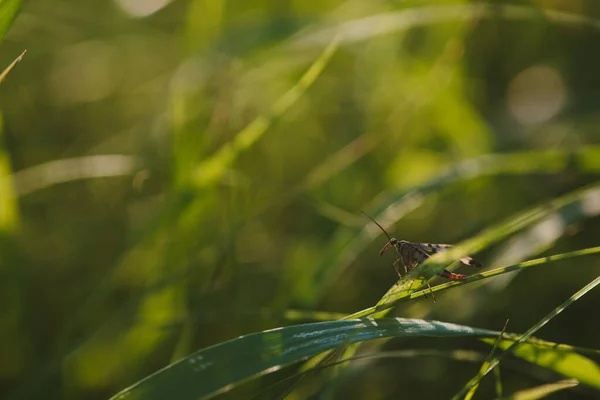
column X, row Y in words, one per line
column 487, row 361
column 8, row 11
column 542, row 391
column 565, row 360
column 347, row 245
column 221, row 367
column 11, row 66
column 212, row 169
column 528, row 334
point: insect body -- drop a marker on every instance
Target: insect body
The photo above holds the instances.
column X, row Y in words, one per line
column 412, row 254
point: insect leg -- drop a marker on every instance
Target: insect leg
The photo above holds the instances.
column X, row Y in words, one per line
column 431, row 290
column 452, row 276
column 398, row 260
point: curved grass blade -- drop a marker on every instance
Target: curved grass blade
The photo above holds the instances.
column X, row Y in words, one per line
column 542, row 391
column 563, row 359
column 60, row 171
column 475, row 380
column 8, row 12
column 533, row 345
column 387, row 23
column 8, row 202
column 214, row 167
column 221, row 367
column 457, row 355
column 579, row 198
column 391, row 206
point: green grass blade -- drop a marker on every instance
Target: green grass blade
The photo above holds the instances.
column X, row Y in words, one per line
column 11, row 66
column 8, row 11
column 55, row 172
column 542, row 391
column 405, row 290
column 407, row 287
column 507, row 269
column 563, row 359
column 487, row 361
column 221, row 367
column 9, row 214
column 348, row 244
column 475, row 380
column 214, row 167
column 387, row 23
column 435, row 264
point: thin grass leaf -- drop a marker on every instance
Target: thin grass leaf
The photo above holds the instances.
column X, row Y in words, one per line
column 542, row 391
column 11, row 66
column 504, row 270
column 583, row 365
column 387, row 23
column 487, row 361
column 457, row 355
column 66, row 170
column 8, row 203
column 8, row 12
column 475, row 380
column 498, row 382
column 219, row 368
column 214, row 167
column 565, row 360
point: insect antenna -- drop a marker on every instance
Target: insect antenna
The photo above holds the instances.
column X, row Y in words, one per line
column 376, row 223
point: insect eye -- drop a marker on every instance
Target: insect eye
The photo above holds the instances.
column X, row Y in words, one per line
column 393, row 241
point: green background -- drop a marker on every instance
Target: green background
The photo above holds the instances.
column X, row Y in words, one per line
column 169, row 181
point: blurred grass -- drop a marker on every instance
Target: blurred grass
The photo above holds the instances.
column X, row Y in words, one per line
column 588, row 368
column 130, row 254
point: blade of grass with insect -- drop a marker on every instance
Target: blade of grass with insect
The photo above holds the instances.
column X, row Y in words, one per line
column 419, row 276
column 346, row 244
column 475, row 380
column 507, row 269
column 473, row 278
column 219, row 368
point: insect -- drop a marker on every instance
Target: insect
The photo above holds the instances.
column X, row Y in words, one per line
column 412, row 254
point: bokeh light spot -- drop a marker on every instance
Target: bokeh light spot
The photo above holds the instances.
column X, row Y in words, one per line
column 141, row 8
column 536, row 95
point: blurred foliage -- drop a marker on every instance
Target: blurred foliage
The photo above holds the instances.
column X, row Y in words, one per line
column 176, row 174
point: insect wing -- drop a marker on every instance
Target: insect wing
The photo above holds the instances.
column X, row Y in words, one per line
column 432, row 248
